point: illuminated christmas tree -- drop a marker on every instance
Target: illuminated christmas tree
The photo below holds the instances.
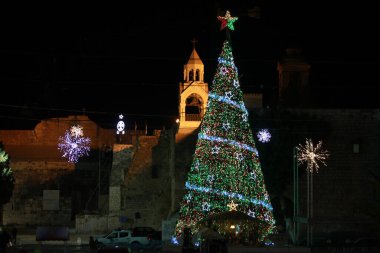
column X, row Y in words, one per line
column 225, row 185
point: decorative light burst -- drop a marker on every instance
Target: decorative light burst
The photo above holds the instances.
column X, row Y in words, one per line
column 73, row 145
column 76, row 130
column 312, row 155
column 264, row 135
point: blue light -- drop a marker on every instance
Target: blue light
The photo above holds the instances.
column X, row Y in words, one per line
column 229, row 194
column 223, row 99
column 231, row 142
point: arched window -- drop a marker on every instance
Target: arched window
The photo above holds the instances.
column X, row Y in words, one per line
column 197, row 75
column 191, row 75
column 193, row 109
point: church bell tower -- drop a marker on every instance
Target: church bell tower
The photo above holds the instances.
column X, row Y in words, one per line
column 193, row 93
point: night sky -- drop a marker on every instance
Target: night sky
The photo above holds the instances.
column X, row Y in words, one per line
column 110, row 59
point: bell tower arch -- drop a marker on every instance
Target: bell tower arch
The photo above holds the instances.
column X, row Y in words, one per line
column 193, row 92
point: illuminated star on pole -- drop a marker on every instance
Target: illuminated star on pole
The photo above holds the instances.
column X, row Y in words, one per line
column 312, row 155
column 227, row 21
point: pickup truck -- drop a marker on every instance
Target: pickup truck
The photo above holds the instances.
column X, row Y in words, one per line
column 122, row 238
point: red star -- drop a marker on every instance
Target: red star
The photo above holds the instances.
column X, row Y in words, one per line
column 227, row 21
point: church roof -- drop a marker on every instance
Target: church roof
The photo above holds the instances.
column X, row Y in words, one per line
column 194, row 58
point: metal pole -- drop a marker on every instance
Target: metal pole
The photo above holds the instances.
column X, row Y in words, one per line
column 311, row 209
column 308, row 208
column 295, row 196
column 297, row 199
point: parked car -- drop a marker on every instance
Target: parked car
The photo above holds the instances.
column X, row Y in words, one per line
column 125, row 238
column 120, row 238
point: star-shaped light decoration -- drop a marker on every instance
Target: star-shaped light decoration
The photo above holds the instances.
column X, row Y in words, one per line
column 252, row 175
column 264, row 135
column 232, row 206
column 223, row 70
column 210, row 178
column 239, row 156
column 312, row 155
column 188, row 197
column 251, row 213
column 215, row 150
column 227, row 21
column 226, row 126
column 73, row 145
column 244, row 117
column 228, row 95
column 76, row 130
column 205, row 206
column 266, row 197
column 196, row 165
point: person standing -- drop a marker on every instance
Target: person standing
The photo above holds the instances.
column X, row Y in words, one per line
column 14, row 235
column 5, row 239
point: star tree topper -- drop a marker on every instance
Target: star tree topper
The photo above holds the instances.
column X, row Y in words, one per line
column 227, row 21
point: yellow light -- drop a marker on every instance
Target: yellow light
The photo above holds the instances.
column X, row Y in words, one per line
column 177, row 121
column 232, row 227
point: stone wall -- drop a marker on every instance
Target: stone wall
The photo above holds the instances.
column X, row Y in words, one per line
column 146, row 190
column 140, row 182
column 38, row 165
column 93, row 223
